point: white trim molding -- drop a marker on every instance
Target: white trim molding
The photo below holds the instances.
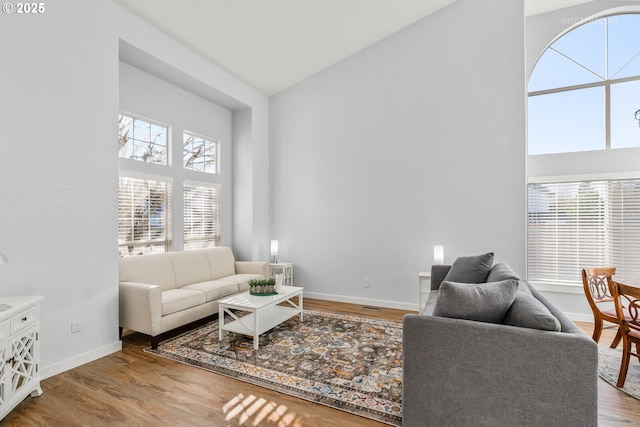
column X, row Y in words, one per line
column 362, row 301
column 74, row 362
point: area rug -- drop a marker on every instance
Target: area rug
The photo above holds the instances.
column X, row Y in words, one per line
column 609, row 368
column 350, row 363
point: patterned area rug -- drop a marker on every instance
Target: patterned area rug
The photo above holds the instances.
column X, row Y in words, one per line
column 609, row 368
column 349, row 363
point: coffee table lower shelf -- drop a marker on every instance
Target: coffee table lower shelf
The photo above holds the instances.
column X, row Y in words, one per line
column 246, row 324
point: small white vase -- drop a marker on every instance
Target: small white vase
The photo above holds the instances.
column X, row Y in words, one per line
column 278, row 283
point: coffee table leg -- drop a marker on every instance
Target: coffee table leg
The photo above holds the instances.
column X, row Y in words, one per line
column 301, row 303
column 256, row 336
column 220, row 322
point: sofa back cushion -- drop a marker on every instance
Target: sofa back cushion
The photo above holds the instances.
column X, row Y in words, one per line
column 190, row 267
column 527, row 312
column 501, row 271
column 482, row 302
column 155, row 269
column 470, row 269
column 221, row 262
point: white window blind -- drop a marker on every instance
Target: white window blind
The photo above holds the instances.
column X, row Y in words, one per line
column 573, row 225
column 201, row 216
column 143, row 216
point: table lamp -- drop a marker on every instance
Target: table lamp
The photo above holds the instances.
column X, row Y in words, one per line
column 274, row 251
column 438, row 255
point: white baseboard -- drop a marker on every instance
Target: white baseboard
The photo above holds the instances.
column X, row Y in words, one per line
column 579, row 317
column 362, row 301
column 74, row 362
column 576, row 317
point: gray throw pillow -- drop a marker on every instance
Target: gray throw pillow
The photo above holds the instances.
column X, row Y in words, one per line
column 528, row 312
column 470, row 269
column 501, row 271
column 483, row 302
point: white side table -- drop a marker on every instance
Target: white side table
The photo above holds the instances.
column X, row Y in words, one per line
column 424, row 289
column 19, row 350
column 286, row 268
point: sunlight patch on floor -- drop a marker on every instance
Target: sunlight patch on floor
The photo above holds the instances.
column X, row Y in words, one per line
column 243, row 409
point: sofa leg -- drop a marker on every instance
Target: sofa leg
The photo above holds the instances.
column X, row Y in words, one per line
column 120, row 328
column 154, row 342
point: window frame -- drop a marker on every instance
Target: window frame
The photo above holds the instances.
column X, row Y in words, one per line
column 177, row 177
column 191, row 241
column 216, row 144
column 555, row 163
column 167, row 240
column 607, row 104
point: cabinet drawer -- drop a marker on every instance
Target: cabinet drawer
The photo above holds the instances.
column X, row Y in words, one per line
column 4, row 329
column 24, row 319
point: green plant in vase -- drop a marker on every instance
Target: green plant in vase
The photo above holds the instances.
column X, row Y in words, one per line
column 262, row 286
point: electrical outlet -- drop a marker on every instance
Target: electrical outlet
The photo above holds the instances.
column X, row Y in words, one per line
column 75, row 327
column 366, row 282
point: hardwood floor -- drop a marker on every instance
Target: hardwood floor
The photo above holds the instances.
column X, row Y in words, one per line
column 133, row 388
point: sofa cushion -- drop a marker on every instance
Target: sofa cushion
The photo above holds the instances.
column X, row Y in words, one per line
column 483, row 302
column 174, row 300
column 214, row 289
column 242, row 279
column 221, row 262
column 501, row 271
column 527, row 312
column 470, row 269
column 190, row 267
column 153, row 269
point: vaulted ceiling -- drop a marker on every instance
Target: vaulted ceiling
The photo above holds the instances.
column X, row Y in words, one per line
column 272, row 45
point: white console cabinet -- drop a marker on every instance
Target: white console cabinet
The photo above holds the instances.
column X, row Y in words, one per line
column 19, row 350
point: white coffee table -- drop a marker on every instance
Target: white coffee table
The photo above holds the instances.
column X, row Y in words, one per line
column 264, row 312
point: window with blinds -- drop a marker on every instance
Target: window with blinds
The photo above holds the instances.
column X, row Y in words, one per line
column 143, row 216
column 201, row 216
column 573, row 225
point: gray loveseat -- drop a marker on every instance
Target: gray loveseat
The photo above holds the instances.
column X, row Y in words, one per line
column 461, row 372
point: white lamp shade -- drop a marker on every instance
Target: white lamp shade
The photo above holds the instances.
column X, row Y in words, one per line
column 438, row 255
column 274, row 248
column 3, row 258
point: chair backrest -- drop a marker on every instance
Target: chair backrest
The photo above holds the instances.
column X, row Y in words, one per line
column 596, row 285
column 627, row 301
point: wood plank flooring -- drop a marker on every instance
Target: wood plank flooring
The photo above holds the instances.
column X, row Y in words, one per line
column 133, row 388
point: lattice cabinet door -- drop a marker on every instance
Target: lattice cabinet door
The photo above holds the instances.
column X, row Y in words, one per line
column 5, row 370
column 24, row 364
column 19, row 351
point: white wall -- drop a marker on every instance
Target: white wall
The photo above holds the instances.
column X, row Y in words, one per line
column 59, row 164
column 541, row 31
column 58, row 221
column 415, row 141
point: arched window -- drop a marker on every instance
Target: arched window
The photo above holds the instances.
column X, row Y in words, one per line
column 584, row 92
column 584, row 95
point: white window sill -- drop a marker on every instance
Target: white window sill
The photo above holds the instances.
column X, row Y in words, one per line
column 565, row 288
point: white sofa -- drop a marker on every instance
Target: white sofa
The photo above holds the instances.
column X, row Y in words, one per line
column 161, row 292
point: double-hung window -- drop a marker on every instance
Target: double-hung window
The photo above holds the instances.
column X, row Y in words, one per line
column 201, row 206
column 144, row 202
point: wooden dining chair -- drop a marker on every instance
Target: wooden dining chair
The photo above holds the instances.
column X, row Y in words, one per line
column 627, row 303
column 596, row 289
